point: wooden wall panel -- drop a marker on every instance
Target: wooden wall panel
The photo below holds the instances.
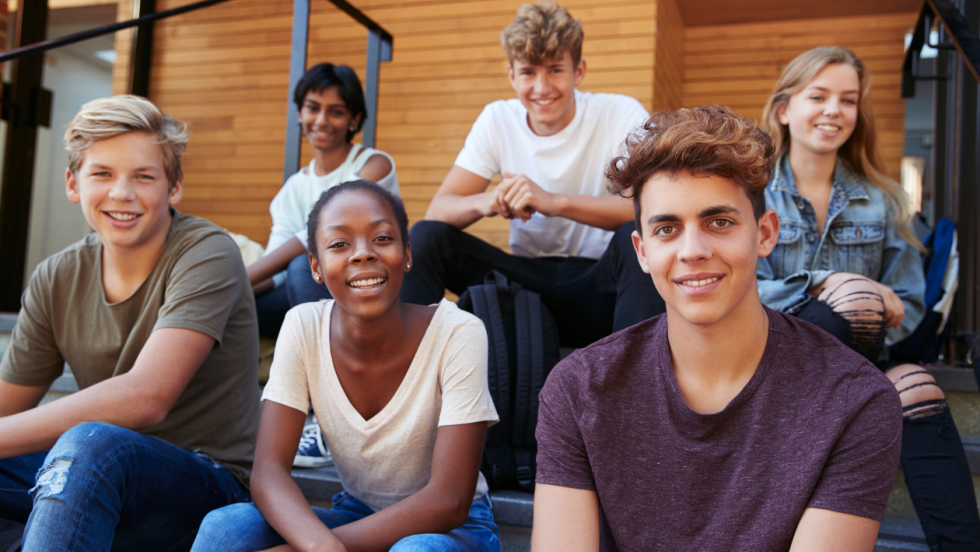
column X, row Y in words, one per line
column 225, row 70
column 737, row 65
column 668, row 67
column 124, row 39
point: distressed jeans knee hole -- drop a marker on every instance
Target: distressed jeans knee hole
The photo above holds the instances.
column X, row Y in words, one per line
column 53, row 477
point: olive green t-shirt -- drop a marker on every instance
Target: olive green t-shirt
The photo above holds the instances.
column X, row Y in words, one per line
column 199, row 283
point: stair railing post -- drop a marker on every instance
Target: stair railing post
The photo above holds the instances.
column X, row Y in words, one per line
column 378, row 50
column 20, row 153
column 297, row 67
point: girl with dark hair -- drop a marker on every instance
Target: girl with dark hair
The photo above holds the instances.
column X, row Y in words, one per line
column 847, row 261
column 331, row 111
column 401, row 394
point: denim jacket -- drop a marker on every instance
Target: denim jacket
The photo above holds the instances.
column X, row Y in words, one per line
column 858, row 237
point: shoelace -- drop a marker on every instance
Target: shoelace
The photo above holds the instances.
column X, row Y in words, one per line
column 309, row 439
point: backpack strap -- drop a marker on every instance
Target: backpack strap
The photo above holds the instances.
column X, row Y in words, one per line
column 530, row 378
column 487, row 308
column 539, row 365
column 525, row 359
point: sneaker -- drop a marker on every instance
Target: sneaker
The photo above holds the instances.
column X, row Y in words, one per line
column 312, row 453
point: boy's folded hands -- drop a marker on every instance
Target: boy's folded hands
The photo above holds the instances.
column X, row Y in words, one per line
column 521, row 197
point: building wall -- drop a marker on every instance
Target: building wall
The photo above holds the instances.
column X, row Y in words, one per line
column 225, row 70
column 668, row 66
column 75, row 79
column 737, row 65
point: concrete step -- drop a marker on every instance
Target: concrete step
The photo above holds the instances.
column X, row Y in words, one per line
column 900, row 534
column 513, row 510
column 953, row 379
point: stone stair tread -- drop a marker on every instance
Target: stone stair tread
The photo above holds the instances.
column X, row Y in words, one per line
column 65, row 383
column 517, row 508
column 7, row 321
column 971, row 444
column 954, row 378
column 900, row 535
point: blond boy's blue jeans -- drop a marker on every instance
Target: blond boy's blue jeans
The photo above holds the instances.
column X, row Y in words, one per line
column 104, row 487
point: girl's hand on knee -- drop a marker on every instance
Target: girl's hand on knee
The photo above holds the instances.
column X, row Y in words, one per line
column 894, row 307
column 837, row 279
column 862, row 293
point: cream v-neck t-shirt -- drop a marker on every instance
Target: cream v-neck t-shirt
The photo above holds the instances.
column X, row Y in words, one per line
column 387, row 458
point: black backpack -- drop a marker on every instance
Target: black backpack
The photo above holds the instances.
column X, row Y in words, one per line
column 523, row 348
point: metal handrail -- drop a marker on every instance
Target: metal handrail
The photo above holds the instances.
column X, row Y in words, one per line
column 40, row 47
column 955, row 26
column 26, row 96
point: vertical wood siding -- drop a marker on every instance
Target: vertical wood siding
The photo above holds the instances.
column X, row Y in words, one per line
column 737, row 65
column 225, row 70
column 668, row 67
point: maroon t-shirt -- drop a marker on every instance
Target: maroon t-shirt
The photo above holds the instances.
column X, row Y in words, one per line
column 817, row 426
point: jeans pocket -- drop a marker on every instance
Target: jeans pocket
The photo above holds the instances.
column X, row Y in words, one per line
column 339, row 498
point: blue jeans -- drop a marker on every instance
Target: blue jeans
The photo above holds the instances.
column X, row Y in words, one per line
column 300, row 287
column 103, row 486
column 241, row 528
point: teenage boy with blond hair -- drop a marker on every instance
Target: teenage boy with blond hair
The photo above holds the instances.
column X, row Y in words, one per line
column 721, row 425
column 154, row 314
column 569, row 236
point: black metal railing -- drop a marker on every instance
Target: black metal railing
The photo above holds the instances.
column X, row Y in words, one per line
column 44, row 46
column 25, row 105
column 955, row 158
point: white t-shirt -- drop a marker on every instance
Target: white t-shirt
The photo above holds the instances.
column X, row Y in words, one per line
column 389, row 457
column 573, row 161
column 291, row 207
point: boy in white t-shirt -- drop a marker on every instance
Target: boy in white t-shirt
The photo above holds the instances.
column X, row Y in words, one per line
column 570, row 236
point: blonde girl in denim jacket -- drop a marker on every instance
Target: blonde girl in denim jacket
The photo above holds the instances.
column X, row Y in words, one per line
column 846, row 260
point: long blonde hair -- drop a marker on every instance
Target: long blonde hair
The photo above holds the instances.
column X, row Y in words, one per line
column 860, row 152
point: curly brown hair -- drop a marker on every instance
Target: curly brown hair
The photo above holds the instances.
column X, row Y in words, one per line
column 709, row 140
column 542, row 31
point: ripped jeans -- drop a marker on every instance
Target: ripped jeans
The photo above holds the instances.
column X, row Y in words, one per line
column 104, row 487
column 933, row 460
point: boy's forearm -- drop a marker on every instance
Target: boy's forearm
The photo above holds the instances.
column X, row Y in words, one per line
column 112, row 401
column 15, row 399
column 135, row 400
column 608, row 213
column 457, row 210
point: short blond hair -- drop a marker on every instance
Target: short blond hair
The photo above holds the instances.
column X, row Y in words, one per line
column 541, row 31
column 107, row 118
